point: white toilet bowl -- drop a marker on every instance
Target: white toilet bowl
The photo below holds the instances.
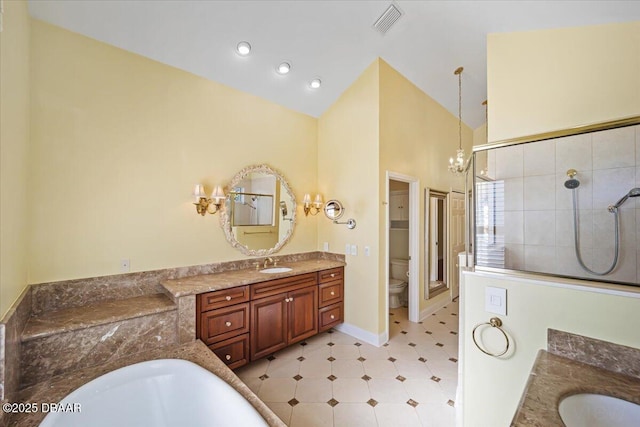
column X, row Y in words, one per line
column 396, row 287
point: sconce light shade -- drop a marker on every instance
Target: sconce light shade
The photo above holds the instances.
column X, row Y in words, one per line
column 204, row 204
column 307, row 205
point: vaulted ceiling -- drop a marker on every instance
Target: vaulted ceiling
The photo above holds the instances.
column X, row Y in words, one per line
column 329, row 39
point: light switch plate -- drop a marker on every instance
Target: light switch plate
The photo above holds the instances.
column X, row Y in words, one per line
column 325, row 246
column 495, row 300
column 347, row 249
column 354, row 250
column 367, row 251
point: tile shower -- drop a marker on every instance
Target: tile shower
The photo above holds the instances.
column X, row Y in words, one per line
column 524, row 212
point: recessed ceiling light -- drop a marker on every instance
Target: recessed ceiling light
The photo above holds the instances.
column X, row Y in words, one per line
column 283, row 68
column 315, row 83
column 243, row 48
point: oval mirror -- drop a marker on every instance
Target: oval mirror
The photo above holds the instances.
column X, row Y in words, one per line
column 260, row 211
column 333, row 210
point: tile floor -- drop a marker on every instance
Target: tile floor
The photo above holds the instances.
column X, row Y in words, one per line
column 332, row 379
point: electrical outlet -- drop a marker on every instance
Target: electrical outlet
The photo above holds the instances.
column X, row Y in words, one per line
column 125, row 266
column 325, row 246
column 354, row 250
column 347, row 249
column 367, row 251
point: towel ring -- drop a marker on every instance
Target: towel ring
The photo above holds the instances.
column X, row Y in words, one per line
column 494, row 322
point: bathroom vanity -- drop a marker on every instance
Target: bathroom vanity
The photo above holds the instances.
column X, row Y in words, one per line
column 243, row 315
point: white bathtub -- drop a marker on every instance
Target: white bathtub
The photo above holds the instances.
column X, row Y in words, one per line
column 157, row 393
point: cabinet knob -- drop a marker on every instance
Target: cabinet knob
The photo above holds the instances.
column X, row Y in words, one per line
column 332, row 293
column 228, row 357
column 333, row 274
column 228, row 298
column 286, row 300
column 290, row 299
column 333, row 317
column 228, row 323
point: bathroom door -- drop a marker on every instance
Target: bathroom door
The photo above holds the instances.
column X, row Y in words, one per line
column 456, row 238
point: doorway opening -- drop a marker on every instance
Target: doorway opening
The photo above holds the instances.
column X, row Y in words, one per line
column 403, row 245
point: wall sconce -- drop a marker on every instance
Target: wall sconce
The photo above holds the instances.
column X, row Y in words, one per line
column 204, row 204
column 307, row 205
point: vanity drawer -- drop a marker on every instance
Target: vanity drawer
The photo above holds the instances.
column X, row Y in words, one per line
column 286, row 284
column 223, row 323
column 223, row 298
column 331, row 275
column 234, row 352
column 330, row 293
column 330, row 316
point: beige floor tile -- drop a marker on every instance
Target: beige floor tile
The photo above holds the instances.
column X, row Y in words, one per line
column 345, row 351
column 292, row 352
column 370, row 352
column 387, row 391
column 312, row 415
column 354, row 415
column 396, row 414
column 314, row 390
column 283, row 368
column 277, row 390
column 436, row 415
column 424, row 391
column 412, row 369
column 253, row 369
column 341, row 338
column 406, row 353
column 315, row 368
column 380, row 369
column 319, row 352
column 282, row 410
column 351, row 390
column 347, row 368
column 254, row 383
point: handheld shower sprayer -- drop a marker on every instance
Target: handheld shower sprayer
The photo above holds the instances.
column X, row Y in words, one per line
column 634, row 192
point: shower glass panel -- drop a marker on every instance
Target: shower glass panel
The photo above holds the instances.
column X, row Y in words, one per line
column 567, row 206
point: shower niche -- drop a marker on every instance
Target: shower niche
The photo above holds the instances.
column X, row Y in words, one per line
column 566, row 206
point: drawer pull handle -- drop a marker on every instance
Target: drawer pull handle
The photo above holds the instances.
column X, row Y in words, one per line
column 333, row 274
column 228, row 323
column 333, row 317
column 228, row 357
column 332, row 293
column 228, row 298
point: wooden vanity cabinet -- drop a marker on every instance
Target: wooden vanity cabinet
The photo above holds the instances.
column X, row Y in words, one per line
column 249, row 322
column 331, row 302
column 281, row 319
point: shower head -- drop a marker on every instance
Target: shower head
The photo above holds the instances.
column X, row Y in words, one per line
column 572, row 183
column 634, row 192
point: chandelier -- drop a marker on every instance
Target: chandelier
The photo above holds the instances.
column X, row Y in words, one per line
column 458, row 165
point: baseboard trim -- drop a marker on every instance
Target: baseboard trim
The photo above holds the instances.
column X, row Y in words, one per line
column 362, row 335
column 435, row 307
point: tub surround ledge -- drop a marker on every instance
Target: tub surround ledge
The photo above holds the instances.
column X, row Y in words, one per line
column 56, row 388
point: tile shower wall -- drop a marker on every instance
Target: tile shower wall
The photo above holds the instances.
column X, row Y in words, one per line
column 534, row 221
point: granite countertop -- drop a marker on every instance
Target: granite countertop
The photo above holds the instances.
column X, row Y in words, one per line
column 554, row 377
column 55, row 389
column 217, row 281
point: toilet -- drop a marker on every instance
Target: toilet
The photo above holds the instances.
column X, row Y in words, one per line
column 398, row 281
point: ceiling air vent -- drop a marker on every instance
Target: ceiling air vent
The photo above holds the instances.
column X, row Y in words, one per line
column 387, row 19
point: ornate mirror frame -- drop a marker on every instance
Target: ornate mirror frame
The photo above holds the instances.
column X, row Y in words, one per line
column 225, row 214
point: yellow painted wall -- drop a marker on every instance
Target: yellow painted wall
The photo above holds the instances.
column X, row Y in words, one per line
column 348, row 159
column 541, row 81
column 118, row 143
column 492, row 387
column 417, row 138
column 14, row 142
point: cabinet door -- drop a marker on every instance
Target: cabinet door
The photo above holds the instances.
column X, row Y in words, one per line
column 399, row 206
column 268, row 325
column 303, row 306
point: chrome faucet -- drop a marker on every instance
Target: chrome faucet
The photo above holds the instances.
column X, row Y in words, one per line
column 267, row 261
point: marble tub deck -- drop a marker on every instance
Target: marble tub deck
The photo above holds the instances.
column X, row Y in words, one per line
column 555, row 377
column 57, row 388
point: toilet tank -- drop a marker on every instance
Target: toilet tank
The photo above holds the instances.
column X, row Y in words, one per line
column 399, row 268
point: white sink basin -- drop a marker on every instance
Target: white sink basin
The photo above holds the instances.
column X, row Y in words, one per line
column 596, row 410
column 274, row 270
